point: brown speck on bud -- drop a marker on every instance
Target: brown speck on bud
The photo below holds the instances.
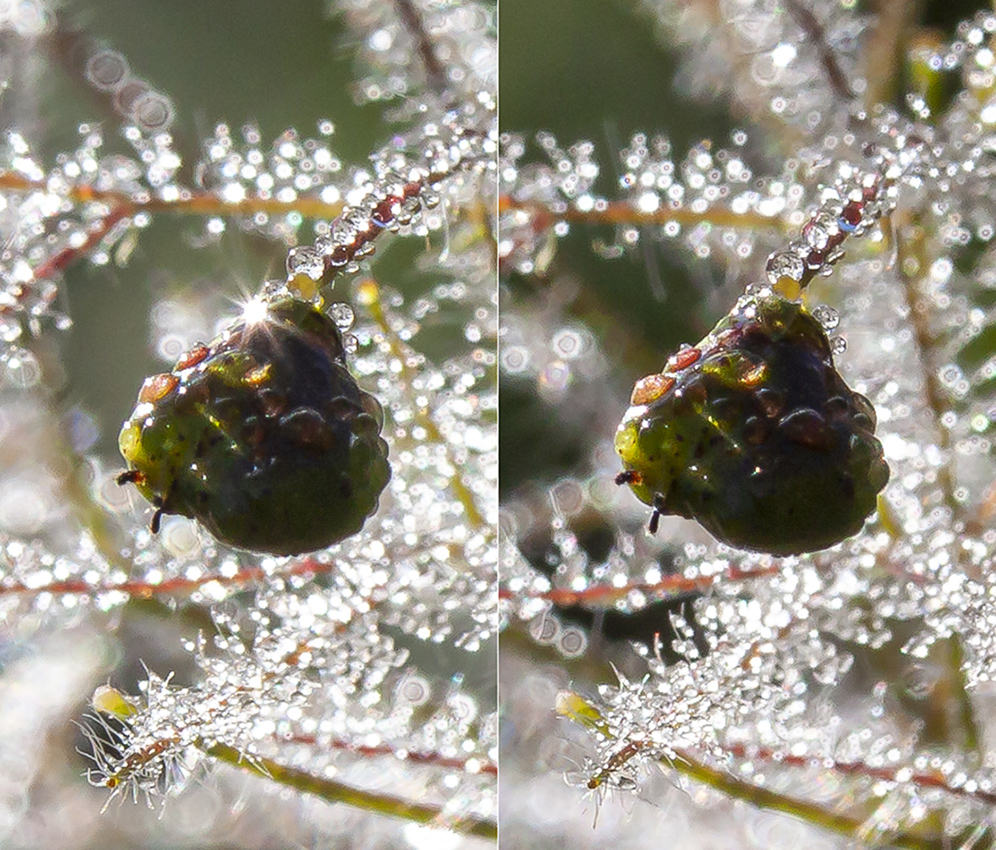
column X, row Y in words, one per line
column 852, row 213
column 650, row 388
column 130, row 476
column 340, row 256
column 191, row 358
column 157, row 387
column 683, row 359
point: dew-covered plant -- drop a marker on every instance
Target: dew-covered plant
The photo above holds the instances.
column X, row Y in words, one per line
column 344, row 695
column 698, row 694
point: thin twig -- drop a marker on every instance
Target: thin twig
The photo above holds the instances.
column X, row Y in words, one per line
column 177, row 586
column 65, row 257
column 860, row 769
column 606, row 594
column 816, row 34
column 370, row 297
column 623, row 212
column 434, row 72
column 765, row 798
column 338, row 792
column 194, row 203
column 911, row 248
column 883, row 54
column 427, row 758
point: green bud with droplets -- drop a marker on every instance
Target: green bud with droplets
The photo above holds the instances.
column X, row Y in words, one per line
column 263, row 435
column 755, row 435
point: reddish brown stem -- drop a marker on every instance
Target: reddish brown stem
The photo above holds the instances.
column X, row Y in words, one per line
column 623, row 212
column 196, row 203
column 428, row 758
column 68, row 255
column 814, row 31
column 859, row 769
column 604, row 594
column 434, row 71
column 174, row 586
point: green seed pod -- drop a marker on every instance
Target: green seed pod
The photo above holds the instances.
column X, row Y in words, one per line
column 755, row 435
column 263, row 435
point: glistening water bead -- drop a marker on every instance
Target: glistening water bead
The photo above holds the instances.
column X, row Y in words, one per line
column 263, row 435
column 755, row 435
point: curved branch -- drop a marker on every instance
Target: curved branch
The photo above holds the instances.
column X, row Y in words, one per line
column 338, row 792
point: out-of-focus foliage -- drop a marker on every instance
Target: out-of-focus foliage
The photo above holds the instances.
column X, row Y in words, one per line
column 136, row 222
column 850, row 687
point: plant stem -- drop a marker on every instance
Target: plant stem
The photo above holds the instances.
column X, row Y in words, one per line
column 197, row 203
column 414, row 757
column 434, row 71
column 176, row 586
column 338, row 792
column 623, row 212
column 370, row 297
column 765, row 798
column 885, row 50
column 816, row 35
column 912, row 246
column 607, row 594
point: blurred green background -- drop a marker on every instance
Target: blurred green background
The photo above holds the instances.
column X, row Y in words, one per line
column 594, row 71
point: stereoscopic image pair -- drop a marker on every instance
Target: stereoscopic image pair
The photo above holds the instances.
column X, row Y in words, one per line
column 443, row 424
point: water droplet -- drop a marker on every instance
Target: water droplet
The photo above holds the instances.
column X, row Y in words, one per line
column 838, row 345
column 22, row 369
column 413, row 691
column 815, row 235
column 179, row 537
column 573, row 643
column 545, row 629
column 106, row 70
column 10, row 328
column 24, row 506
column 827, row 317
column 920, row 680
column 555, row 377
column 82, row 430
column 568, row 344
column 784, row 264
column 171, row 346
column 152, row 111
column 950, row 375
column 306, row 261
column 514, row 359
column 342, row 314
column 350, row 343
